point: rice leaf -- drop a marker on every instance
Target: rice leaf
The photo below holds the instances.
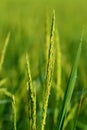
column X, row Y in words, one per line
column 69, row 90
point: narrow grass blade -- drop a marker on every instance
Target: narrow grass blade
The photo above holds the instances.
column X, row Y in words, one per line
column 11, row 96
column 69, row 90
column 4, row 51
column 49, row 74
column 31, row 99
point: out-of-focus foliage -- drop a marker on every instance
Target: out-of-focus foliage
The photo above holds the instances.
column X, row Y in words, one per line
column 25, row 20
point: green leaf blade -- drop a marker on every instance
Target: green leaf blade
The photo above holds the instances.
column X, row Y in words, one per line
column 69, row 90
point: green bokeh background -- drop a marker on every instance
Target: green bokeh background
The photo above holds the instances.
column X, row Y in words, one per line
column 25, row 20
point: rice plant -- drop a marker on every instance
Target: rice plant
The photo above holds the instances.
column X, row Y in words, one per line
column 3, row 81
column 31, row 99
column 62, row 113
column 11, row 96
column 49, row 74
column 69, row 90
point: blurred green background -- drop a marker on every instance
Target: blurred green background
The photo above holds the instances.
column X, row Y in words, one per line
column 25, row 20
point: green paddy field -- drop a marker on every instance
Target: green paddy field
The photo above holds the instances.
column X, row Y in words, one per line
column 43, row 65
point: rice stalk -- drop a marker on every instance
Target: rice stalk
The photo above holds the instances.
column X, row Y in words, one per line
column 31, row 99
column 12, row 97
column 4, row 51
column 49, row 74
